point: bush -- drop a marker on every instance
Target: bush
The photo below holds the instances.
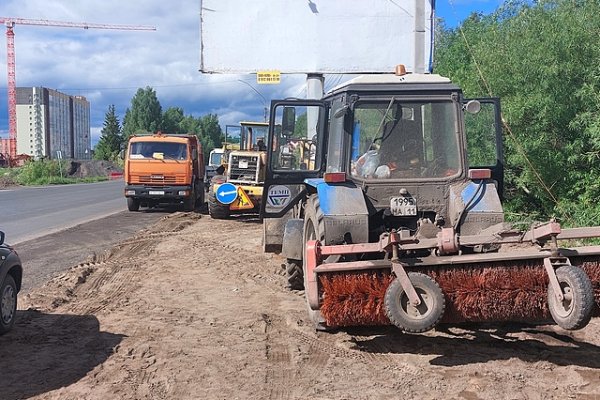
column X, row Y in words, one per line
column 48, row 172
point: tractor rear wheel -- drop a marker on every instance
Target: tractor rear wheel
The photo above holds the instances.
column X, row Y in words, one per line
column 575, row 310
column 294, row 274
column 216, row 209
column 415, row 319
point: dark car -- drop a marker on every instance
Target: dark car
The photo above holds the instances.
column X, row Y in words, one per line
column 11, row 274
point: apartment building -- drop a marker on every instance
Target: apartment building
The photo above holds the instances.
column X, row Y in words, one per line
column 52, row 124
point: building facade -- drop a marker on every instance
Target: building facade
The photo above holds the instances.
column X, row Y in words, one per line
column 51, row 124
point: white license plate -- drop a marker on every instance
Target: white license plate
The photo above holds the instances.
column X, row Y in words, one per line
column 403, row 206
column 243, row 163
column 156, row 192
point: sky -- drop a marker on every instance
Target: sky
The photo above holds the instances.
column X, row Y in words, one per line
column 108, row 66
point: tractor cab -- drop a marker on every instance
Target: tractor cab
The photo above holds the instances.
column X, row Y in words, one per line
column 400, row 140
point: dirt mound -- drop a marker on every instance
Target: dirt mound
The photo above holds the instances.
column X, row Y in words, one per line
column 93, row 168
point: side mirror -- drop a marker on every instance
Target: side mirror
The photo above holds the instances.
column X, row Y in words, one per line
column 1, row 237
column 194, row 154
column 288, row 124
column 122, row 154
column 472, row 106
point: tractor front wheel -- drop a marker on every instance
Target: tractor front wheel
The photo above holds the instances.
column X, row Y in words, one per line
column 575, row 310
column 410, row 318
column 216, row 209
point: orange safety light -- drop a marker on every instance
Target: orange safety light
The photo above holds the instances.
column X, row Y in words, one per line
column 482, row 173
column 334, row 177
column 400, row 70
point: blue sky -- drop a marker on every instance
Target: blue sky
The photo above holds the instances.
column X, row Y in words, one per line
column 107, row 67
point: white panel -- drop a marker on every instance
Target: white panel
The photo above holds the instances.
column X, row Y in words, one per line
column 314, row 36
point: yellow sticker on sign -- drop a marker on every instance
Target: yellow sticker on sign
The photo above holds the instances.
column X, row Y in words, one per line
column 268, row 77
column 242, row 202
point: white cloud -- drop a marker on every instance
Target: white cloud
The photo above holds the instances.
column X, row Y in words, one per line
column 108, row 66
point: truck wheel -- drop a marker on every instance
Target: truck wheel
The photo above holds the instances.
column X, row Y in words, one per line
column 133, row 204
column 189, row 203
column 201, row 200
column 8, row 304
column 413, row 319
column 575, row 310
column 294, row 274
column 216, row 209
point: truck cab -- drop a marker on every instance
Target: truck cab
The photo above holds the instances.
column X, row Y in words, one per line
column 163, row 168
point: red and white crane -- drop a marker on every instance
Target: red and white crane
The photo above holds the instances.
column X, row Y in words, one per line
column 10, row 22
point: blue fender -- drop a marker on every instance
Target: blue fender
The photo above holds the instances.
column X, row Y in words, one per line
column 344, row 211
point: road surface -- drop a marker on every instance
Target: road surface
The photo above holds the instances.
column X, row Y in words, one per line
column 31, row 212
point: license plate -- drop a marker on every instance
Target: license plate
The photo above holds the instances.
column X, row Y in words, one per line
column 243, row 163
column 403, row 206
column 156, row 192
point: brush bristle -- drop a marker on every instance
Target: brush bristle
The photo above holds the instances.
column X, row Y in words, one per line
column 491, row 292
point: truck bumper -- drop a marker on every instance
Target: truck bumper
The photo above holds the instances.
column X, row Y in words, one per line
column 164, row 193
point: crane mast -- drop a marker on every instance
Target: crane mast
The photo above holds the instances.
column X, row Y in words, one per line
column 10, row 58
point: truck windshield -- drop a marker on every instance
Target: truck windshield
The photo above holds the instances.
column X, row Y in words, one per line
column 400, row 139
column 216, row 158
column 159, row 150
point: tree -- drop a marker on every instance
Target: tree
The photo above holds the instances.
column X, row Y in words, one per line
column 207, row 129
column 540, row 58
column 172, row 121
column 111, row 140
column 145, row 114
column 211, row 134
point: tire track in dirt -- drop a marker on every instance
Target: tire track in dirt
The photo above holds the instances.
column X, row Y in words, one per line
column 279, row 374
column 111, row 283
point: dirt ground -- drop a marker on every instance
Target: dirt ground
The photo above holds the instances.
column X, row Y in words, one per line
column 191, row 308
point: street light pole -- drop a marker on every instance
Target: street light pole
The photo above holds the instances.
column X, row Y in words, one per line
column 265, row 102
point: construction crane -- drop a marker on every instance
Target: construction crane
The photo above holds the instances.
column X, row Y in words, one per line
column 10, row 22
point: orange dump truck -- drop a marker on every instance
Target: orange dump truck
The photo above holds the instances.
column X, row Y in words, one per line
column 163, row 168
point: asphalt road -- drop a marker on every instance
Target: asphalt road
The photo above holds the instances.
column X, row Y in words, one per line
column 54, row 228
column 27, row 213
column 50, row 255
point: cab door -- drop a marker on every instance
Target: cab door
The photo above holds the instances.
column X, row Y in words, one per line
column 484, row 139
column 295, row 152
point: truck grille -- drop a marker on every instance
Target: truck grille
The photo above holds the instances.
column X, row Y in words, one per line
column 158, row 179
column 243, row 169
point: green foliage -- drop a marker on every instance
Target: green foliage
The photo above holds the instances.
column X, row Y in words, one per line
column 145, row 114
column 111, row 141
column 541, row 59
column 47, row 172
column 172, row 121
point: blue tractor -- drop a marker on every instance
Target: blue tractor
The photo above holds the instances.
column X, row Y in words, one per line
column 385, row 199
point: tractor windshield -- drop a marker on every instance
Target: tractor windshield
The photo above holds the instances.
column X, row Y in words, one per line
column 405, row 139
